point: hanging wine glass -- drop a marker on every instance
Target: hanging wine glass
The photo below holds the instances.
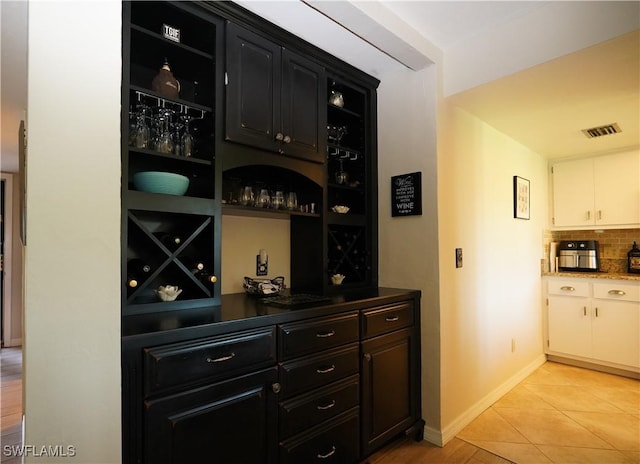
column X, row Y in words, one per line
column 187, row 138
column 133, row 126
column 176, row 139
column 142, row 130
column 165, row 144
column 342, row 177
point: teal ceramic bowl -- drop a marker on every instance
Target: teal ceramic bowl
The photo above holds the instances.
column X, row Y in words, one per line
column 161, row 182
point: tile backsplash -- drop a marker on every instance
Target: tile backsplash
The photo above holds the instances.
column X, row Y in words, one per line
column 613, row 245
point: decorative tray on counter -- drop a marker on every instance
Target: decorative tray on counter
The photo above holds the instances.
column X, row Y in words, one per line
column 263, row 287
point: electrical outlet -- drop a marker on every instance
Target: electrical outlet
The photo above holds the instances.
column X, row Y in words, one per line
column 458, row 257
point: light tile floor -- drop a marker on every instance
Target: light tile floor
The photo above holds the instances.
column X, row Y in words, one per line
column 563, row 414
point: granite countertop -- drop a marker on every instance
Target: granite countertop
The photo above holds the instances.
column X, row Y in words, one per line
column 595, row 275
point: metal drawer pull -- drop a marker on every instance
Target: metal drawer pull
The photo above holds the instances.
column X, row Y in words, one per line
column 326, row 370
column 326, row 334
column 392, row 318
column 617, row 292
column 224, row 358
column 567, row 288
column 328, row 455
column 596, row 311
column 584, row 310
column 324, row 407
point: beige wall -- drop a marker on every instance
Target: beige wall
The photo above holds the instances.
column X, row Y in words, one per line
column 494, row 298
column 243, row 237
column 72, row 301
column 408, row 246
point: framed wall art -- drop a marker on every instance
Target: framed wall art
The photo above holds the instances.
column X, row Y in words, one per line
column 521, row 198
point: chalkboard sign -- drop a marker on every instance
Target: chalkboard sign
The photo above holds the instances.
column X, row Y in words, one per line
column 406, row 194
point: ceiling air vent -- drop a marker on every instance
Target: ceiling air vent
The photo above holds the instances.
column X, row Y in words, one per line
column 602, row 130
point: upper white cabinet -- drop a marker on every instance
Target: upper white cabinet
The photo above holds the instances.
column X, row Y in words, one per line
column 598, row 192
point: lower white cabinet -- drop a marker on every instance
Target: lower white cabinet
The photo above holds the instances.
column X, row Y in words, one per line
column 594, row 320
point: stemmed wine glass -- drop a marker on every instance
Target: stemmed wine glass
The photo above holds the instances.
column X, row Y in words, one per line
column 341, row 175
column 176, row 139
column 165, row 144
column 142, row 130
column 187, row 139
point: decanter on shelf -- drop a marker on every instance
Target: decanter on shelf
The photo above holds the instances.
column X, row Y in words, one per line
column 164, row 83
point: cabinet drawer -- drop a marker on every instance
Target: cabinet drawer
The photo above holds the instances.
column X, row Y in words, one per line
column 335, row 442
column 213, row 358
column 386, row 319
column 314, row 371
column 617, row 291
column 568, row 288
column 306, row 337
column 317, row 406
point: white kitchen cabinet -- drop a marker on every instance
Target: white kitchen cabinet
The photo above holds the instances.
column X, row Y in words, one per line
column 616, row 323
column 569, row 323
column 594, row 320
column 602, row 191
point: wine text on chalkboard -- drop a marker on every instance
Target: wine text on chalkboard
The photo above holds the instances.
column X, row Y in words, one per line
column 406, row 196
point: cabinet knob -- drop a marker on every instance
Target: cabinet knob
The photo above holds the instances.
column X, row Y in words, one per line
column 276, row 387
column 279, row 136
column 286, row 139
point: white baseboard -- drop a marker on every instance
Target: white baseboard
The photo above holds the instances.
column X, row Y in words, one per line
column 433, row 436
column 451, row 430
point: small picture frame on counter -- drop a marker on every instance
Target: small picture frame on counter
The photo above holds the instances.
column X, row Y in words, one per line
column 521, row 198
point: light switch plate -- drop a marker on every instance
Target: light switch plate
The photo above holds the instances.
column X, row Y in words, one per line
column 458, row 257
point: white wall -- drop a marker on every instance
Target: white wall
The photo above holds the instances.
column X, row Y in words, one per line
column 72, row 301
column 550, row 31
column 408, row 246
column 495, row 297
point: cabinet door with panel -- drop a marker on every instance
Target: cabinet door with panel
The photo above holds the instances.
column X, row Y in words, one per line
column 573, row 193
column 570, row 325
column 273, row 97
column 233, row 422
column 616, row 323
column 617, row 189
column 390, row 371
column 569, row 317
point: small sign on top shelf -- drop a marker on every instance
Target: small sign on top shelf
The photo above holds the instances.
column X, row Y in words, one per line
column 406, row 194
column 171, row 33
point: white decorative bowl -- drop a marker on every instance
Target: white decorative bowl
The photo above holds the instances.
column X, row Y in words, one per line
column 340, row 209
column 168, row 292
